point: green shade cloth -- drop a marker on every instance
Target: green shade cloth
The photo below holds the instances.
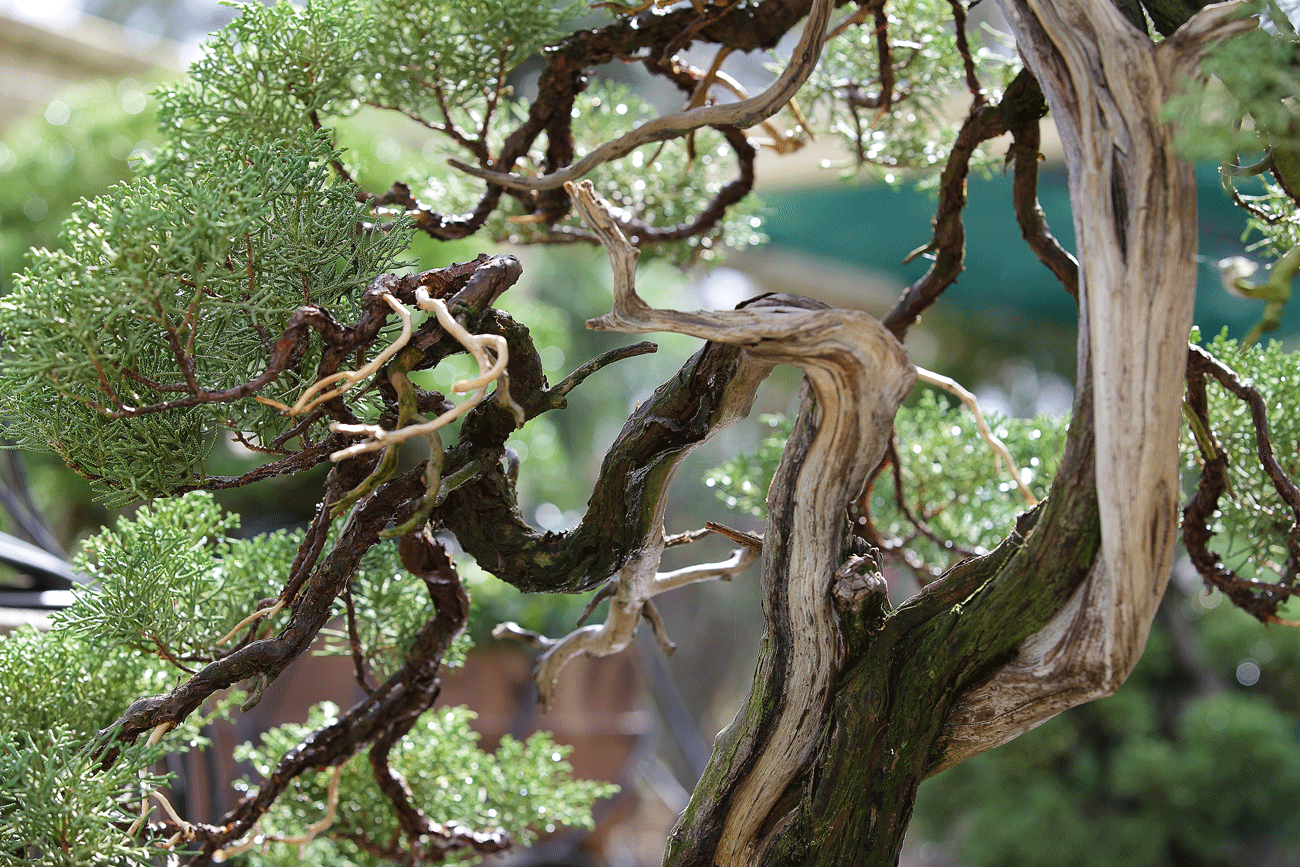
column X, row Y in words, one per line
column 873, row 226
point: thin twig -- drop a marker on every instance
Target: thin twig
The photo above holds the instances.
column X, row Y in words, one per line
column 921, row 525
column 354, row 642
column 1000, row 450
column 256, row 615
column 1024, row 151
column 748, row 540
column 575, row 379
column 963, row 48
column 490, row 366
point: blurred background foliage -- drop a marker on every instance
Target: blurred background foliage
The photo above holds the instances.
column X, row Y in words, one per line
column 1196, row 761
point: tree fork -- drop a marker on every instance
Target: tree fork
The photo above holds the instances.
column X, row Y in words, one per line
column 1135, row 218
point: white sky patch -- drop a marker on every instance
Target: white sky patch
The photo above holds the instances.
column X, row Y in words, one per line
column 48, row 12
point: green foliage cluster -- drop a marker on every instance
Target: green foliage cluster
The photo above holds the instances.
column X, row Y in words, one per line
column 961, row 490
column 447, row 66
column 1274, row 218
column 1249, row 77
column 743, row 481
column 927, row 68
column 58, row 805
column 661, row 184
column 276, row 69
column 453, row 63
column 168, row 583
column 171, row 581
column 1243, row 108
column 1252, row 520
column 382, row 584
column 189, row 265
column 525, row 787
column 1185, row 764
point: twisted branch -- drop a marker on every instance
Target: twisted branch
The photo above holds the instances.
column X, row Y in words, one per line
column 491, row 354
column 859, row 375
column 742, row 114
column 1259, row 599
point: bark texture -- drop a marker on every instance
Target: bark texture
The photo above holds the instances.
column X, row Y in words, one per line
column 1059, row 613
column 1134, row 203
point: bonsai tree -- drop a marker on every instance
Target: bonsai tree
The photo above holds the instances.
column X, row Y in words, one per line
column 244, row 285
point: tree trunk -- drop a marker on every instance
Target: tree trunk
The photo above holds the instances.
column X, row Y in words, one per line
column 1059, row 613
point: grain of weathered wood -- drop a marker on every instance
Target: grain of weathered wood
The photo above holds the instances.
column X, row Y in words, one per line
column 1134, row 204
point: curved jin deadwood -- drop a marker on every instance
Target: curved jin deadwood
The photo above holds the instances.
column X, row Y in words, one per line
column 1134, row 203
column 859, row 374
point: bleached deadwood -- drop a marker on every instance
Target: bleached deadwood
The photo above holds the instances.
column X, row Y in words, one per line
column 637, row 583
column 1000, row 452
column 489, row 351
column 1134, row 204
column 859, row 374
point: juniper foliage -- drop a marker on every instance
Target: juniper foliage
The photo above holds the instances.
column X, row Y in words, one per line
column 245, row 263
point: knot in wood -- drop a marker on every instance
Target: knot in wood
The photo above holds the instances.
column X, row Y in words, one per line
column 857, row 583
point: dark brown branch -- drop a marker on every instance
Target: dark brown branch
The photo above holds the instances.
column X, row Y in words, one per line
column 984, row 122
column 162, row 387
column 745, row 540
column 1257, row 598
column 732, row 192
column 963, row 48
column 1199, row 513
column 641, row 234
column 580, row 374
column 309, row 552
column 380, row 719
column 948, row 244
column 1246, row 203
column 419, row 686
column 297, row 462
column 1024, row 152
column 354, row 641
column 303, row 319
column 266, row 658
column 255, row 447
column 485, row 518
column 885, row 59
column 1227, row 377
column 299, row 430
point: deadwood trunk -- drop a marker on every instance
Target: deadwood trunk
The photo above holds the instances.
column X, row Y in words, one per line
column 1059, row 613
